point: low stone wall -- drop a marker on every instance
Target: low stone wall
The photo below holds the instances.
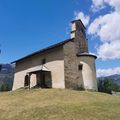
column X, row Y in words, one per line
column 115, row 93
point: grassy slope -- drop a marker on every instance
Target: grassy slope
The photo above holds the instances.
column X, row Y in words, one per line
column 56, row 104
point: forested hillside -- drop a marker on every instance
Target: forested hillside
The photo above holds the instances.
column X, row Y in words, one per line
column 6, row 76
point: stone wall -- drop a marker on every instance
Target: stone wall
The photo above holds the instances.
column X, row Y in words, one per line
column 79, row 35
column 73, row 77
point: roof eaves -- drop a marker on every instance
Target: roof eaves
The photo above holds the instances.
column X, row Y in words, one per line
column 43, row 50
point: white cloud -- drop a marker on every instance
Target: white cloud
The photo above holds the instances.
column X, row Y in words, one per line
column 80, row 15
column 99, row 4
column 114, row 3
column 109, row 50
column 107, row 72
column 107, row 28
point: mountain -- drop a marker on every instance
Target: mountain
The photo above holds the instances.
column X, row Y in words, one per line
column 115, row 78
column 6, row 75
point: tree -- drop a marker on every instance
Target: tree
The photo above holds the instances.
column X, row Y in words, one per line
column 108, row 85
column 5, row 87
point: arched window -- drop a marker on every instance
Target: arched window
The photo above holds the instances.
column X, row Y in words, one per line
column 27, row 80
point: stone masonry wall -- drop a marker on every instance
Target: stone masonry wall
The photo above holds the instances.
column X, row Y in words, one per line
column 73, row 77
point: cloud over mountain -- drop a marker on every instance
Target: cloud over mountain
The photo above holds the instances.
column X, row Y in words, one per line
column 108, row 72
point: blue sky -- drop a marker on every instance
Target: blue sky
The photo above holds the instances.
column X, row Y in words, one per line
column 29, row 25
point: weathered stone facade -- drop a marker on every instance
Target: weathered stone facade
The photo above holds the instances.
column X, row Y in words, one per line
column 73, row 77
column 64, row 65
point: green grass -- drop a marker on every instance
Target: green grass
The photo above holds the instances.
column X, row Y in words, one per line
column 57, row 104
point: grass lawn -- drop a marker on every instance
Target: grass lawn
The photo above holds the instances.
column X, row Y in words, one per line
column 57, row 104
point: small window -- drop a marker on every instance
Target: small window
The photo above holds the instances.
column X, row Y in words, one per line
column 43, row 61
column 80, row 67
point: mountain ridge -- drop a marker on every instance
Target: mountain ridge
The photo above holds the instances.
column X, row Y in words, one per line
column 115, row 78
